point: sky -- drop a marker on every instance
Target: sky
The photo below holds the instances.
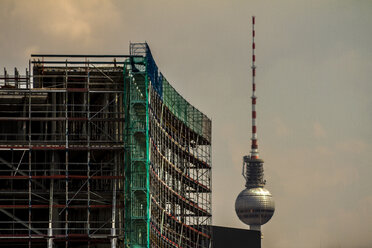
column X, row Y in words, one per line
column 314, row 107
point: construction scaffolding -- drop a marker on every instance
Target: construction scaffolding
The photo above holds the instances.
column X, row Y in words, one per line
column 101, row 151
column 175, row 148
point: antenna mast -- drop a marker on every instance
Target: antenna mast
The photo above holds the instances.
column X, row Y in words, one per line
column 254, row 146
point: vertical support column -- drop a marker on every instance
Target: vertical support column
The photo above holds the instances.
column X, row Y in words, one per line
column 25, row 110
column 52, row 169
column 66, row 155
column 113, row 216
column 16, row 77
column 87, row 102
column 29, row 158
column 127, row 221
column 51, row 191
column 124, row 168
column 114, row 185
column 147, row 159
column 5, row 77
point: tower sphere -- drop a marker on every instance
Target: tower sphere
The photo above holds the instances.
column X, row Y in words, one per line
column 255, row 206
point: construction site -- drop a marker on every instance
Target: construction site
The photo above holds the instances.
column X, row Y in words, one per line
column 101, row 151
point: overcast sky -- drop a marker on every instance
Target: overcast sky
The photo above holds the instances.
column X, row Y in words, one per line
column 314, row 90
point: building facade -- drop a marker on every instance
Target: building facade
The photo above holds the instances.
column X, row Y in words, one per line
column 101, row 151
column 235, row 237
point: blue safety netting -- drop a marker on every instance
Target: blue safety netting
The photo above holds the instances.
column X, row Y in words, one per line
column 155, row 75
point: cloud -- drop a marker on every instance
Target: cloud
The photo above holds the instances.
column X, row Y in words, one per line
column 318, row 130
column 354, row 146
column 31, row 50
column 344, row 220
column 281, row 129
column 63, row 22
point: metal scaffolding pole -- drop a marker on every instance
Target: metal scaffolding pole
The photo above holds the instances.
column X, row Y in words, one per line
column 113, row 216
column 87, row 102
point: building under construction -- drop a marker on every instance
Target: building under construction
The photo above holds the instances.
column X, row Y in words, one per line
column 101, row 151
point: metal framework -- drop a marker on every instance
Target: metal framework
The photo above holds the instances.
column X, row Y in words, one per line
column 101, row 151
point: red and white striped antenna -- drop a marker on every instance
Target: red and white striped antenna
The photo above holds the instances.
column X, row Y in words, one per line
column 254, row 146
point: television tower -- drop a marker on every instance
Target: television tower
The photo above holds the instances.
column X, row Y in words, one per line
column 254, row 205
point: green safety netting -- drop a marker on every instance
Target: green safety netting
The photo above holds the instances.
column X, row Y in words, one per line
column 184, row 111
